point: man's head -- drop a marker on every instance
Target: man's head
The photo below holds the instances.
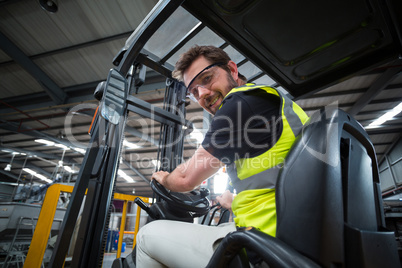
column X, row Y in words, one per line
column 209, row 75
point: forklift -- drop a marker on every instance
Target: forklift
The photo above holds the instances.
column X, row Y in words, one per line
column 338, row 219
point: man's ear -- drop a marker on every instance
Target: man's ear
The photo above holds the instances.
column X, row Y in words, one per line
column 233, row 70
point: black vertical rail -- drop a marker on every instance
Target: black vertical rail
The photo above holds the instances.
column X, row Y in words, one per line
column 181, row 103
column 70, row 217
column 98, row 178
column 171, row 140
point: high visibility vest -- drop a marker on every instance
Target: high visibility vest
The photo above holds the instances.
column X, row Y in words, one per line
column 261, row 172
column 254, row 178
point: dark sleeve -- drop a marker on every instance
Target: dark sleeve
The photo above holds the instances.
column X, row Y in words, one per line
column 247, row 125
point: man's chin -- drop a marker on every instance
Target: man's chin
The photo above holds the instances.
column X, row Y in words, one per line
column 210, row 111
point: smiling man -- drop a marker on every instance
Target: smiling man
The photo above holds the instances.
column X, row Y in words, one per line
column 253, row 128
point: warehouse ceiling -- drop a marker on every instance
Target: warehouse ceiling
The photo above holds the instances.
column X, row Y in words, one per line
column 51, row 63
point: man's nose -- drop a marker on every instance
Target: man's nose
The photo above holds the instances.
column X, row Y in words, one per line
column 203, row 92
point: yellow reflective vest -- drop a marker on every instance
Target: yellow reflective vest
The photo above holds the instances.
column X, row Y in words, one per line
column 255, row 178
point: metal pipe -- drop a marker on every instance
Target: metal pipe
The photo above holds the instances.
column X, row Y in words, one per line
column 21, row 120
column 18, row 180
column 137, row 225
column 122, row 227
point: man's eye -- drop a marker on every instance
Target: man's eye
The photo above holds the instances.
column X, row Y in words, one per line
column 192, row 90
column 206, row 79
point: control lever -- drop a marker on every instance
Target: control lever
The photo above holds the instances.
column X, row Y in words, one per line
column 144, row 206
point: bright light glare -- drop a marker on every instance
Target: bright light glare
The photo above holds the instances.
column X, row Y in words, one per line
column 220, row 182
column 68, row 169
column 51, row 143
column 388, row 116
column 61, row 146
column 197, row 135
column 80, row 150
column 45, row 142
column 30, row 171
column 122, row 174
column 43, row 178
column 130, row 145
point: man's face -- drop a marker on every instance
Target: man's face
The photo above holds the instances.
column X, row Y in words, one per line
column 210, row 86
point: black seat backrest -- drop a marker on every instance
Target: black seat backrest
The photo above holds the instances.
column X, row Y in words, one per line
column 329, row 205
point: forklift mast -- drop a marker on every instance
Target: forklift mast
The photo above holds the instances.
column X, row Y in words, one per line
column 99, row 169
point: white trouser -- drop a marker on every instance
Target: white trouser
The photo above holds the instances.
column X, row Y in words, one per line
column 164, row 243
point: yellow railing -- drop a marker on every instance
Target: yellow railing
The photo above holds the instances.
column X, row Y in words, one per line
column 43, row 227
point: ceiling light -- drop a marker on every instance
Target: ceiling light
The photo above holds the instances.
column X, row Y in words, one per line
column 30, row 171
column 61, row 146
column 122, row 174
column 43, row 178
column 51, row 143
column 68, row 169
column 130, row 145
column 387, row 116
column 80, row 150
column 45, row 142
column 8, row 167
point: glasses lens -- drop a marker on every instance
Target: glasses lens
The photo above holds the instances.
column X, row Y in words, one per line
column 192, row 97
column 193, row 93
column 203, row 79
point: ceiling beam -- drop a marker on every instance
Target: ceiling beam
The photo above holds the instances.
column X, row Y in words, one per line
column 16, row 128
column 348, row 104
column 135, row 171
column 67, row 160
column 52, row 89
column 26, row 165
column 139, row 134
column 9, row 174
column 382, row 82
column 384, row 130
column 75, row 47
column 348, row 92
column 77, row 94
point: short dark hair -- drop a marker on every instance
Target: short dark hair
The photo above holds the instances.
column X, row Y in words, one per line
column 211, row 53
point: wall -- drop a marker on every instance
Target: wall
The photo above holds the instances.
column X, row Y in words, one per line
column 391, row 168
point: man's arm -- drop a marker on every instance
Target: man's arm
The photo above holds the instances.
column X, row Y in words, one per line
column 190, row 174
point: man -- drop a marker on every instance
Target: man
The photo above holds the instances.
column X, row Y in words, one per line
column 251, row 132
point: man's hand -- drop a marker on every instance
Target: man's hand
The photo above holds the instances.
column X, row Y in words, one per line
column 160, row 177
column 226, row 199
column 186, row 176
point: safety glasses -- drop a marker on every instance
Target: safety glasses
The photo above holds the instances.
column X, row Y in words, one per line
column 203, row 79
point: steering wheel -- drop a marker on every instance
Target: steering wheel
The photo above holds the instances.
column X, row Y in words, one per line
column 196, row 202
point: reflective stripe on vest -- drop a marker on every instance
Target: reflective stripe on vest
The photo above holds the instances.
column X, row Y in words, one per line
column 244, row 173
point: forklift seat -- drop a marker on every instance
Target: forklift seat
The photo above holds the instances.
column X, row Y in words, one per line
column 329, row 205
